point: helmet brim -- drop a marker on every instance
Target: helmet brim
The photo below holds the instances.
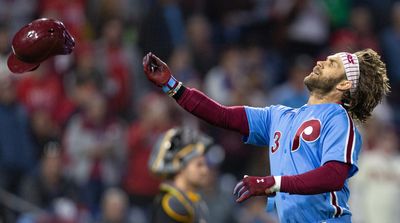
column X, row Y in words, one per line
column 15, row 65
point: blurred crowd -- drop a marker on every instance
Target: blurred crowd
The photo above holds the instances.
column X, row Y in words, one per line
column 76, row 134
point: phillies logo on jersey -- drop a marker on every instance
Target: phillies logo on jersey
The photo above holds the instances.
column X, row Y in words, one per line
column 309, row 131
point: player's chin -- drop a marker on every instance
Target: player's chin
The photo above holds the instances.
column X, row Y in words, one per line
column 308, row 78
column 311, row 82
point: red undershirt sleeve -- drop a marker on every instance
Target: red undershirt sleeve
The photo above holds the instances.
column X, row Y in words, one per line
column 228, row 117
column 329, row 177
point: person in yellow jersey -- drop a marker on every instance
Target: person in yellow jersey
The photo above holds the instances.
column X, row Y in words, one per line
column 179, row 158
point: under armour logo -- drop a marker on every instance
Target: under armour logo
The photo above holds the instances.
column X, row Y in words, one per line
column 258, row 180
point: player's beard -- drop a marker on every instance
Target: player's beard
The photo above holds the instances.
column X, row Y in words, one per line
column 321, row 85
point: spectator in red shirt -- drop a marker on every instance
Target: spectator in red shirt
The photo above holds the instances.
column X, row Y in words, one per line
column 154, row 120
column 115, row 59
column 42, row 90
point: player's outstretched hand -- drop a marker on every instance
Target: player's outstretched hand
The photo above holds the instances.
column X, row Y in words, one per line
column 156, row 70
column 251, row 186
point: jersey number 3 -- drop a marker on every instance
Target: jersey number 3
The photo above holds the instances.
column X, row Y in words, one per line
column 277, row 137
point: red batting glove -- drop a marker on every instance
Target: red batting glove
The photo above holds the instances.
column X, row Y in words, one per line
column 251, row 186
column 156, row 70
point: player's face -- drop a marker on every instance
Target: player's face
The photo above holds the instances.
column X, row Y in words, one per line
column 196, row 172
column 325, row 75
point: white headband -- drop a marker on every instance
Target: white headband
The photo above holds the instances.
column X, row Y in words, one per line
column 351, row 68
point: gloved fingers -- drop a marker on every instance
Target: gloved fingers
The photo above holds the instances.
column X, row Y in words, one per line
column 146, row 62
column 157, row 61
column 146, row 59
column 237, row 187
column 150, row 63
column 243, row 197
column 242, row 190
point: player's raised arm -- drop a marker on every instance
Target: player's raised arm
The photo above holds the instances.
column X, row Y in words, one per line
column 194, row 101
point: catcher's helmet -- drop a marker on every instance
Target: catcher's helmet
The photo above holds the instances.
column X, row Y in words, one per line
column 175, row 149
column 36, row 42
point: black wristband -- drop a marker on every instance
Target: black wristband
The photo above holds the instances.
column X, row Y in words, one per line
column 179, row 93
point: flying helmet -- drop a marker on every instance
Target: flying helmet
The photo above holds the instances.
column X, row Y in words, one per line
column 38, row 41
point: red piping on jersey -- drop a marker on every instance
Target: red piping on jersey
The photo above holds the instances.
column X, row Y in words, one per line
column 350, row 140
column 228, row 117
column 334, row 202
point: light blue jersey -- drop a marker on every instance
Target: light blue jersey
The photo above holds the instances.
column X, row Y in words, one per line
column 299, row 141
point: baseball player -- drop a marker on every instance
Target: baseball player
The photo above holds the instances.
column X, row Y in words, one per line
column 179, row 157
column 313, row 149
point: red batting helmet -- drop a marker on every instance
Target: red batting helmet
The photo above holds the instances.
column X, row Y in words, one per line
column 36, row 42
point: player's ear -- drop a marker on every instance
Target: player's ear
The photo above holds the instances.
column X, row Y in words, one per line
column 344, row 85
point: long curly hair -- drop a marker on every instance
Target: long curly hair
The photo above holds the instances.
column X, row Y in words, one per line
column 373, row 85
